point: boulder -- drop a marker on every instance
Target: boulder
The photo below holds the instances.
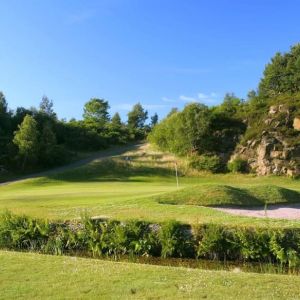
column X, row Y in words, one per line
column 273, row 109
column 296, row 123
column 276, row 154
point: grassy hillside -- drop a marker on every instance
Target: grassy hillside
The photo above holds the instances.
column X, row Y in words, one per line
column 124, row 190
column 35, row 276
column 225, row 195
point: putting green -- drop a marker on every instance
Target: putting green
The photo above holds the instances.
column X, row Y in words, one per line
column 116, row 189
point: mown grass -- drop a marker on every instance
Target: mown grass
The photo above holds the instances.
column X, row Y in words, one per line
column 124, row 190
column 35, row 276
column 225, row 195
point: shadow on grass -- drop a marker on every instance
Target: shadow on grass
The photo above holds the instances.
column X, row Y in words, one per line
column 229, row 196
column 51, row 173
column 111, row 169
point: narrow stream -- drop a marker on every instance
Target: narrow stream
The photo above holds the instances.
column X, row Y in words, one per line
column 236, row 267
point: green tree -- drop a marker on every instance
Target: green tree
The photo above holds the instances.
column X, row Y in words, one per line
column 46, row 106
column 5, row 129
column 116, row 121
column 4, row 115
column 231, row 104
column 154, row 120
column 184, row 132
column 282, row 74
column 48, row 138
column 196, row 121
column 251, row 95
column 174, row 110
column 3, row 104
column 26, row 138
column 19, row 115
column 96, row 112
column 137, row 117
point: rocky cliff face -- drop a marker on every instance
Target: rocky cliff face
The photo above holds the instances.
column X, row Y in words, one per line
column 276, row 149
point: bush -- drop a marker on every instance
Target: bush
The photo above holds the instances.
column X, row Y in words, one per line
column 215, row 242
column 55, row 156
column 22, row 232
column 249, row 244
column 238, row 166
column 206, row 163
column 176, row 241
column 170, row 239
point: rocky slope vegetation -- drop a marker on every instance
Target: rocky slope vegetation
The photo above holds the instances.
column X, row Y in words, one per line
column 274, row 148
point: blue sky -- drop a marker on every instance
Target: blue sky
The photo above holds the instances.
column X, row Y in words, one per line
column 163, row 53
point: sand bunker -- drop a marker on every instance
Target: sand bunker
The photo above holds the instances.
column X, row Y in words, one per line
column 288, row 211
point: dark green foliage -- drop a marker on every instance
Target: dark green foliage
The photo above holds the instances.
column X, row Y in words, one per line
column 137, row 117
column 176, row 240
column 79, row 137
column 36, row 139
column 211, row 163
column 99, row 237
column 230, row 106
column 253, row 244
column 51, row 154
column 238, row 165
column 96, row 112
column 249, row 244
column 198, row 130
column 184, row 132
column 282, row 74
column 154, row 120
column 46, row 107
column 21, row 232
column 216, row 243
column 284, row 245
column 5, row 129
column 118, row 132
column 136, row 121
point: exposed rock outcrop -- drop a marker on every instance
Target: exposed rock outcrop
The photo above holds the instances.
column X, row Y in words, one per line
column 273, row 151
column 296, row 123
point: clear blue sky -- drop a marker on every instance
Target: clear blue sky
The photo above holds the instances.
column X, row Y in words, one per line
column 162, row 53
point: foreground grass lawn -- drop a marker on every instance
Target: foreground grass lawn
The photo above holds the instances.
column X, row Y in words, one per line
column 36, row 276
column 112, row 189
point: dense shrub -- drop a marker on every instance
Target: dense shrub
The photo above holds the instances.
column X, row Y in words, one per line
column 176, row 240
column 21, row 232
column 238, row 165
column 170, row 239
column 206, row 163
column 249, row 244
column 215, row 242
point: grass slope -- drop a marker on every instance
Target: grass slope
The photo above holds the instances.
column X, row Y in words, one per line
column 116, row 189
column 35, row 276
column 225, row 195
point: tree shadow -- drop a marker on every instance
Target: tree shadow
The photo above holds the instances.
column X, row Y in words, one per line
column 111, row 169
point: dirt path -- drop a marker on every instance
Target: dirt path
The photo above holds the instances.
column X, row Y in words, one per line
column 97, row 156
column 288, row 211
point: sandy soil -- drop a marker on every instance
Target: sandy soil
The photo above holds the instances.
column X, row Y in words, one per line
column 288, row 211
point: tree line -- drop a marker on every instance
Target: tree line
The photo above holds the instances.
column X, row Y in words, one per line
column 35, row 138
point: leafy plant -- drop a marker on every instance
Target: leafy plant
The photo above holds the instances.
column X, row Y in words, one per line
column 238, row 165
column 176, row 241
column 206, row 163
